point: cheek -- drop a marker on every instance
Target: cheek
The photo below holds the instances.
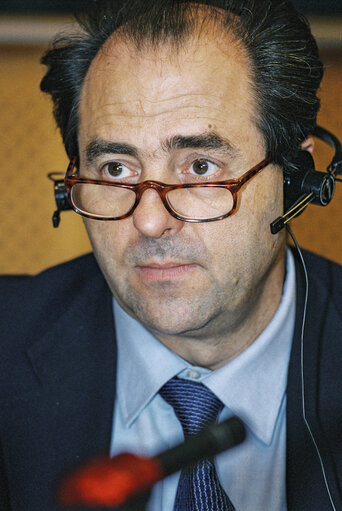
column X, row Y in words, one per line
column 244, row 240
column 262, row 200
column 108, row 239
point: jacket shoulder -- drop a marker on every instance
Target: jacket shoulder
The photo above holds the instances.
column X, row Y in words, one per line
column 59, row 276
column 28, row 300
column 328, row 274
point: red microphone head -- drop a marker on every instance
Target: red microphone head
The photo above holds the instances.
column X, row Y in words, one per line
column 109, row 482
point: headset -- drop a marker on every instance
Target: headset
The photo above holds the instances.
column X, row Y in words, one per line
column 307, row 185
column 301, row 187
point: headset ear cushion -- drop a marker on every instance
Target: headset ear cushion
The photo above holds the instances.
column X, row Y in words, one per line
column 303, row 161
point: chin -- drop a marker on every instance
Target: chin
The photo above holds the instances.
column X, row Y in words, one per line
column 169, row 317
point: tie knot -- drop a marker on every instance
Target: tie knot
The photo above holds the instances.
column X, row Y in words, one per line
column 194, row 404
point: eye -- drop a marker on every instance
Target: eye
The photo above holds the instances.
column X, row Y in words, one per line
column 203, row 168
column 116, row 170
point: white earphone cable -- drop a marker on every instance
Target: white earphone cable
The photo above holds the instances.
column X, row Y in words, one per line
column 302, row 367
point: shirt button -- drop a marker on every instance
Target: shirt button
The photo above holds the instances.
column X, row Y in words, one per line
column 193, row 374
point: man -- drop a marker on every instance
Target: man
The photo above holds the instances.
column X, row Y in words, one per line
column 195, row 285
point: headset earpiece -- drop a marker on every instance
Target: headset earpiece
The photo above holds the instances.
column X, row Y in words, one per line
column 306, row 185
column 61, row 196
column 307, row 181
column 293, row 181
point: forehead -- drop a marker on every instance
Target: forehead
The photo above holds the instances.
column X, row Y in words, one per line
column 208, row 76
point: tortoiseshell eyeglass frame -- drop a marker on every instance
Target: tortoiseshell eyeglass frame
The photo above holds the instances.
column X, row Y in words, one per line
column 233, row 185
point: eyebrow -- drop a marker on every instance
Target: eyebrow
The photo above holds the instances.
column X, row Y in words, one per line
column 98, row 147
column 209, row 141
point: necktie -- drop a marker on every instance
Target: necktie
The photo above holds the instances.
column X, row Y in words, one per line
column 196, row 407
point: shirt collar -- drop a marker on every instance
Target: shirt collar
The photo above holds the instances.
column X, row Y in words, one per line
column 252, row 385
column 144, row 365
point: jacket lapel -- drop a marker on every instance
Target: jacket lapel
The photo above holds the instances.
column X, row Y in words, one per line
column 74, row 363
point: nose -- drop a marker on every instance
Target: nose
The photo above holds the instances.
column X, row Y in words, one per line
column 152, row 219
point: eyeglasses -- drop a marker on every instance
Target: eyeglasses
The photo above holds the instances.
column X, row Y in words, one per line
column 190, row 202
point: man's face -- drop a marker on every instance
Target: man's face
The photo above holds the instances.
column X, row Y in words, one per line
column 184, row 279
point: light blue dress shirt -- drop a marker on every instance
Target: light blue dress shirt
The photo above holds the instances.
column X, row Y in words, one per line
column 252, row 386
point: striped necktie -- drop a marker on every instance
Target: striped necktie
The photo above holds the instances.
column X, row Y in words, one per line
column 196, row 407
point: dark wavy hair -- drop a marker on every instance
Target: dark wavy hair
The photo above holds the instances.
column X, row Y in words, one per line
column 286, row 67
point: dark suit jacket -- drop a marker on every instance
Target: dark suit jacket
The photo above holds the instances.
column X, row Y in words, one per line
column 57, row 383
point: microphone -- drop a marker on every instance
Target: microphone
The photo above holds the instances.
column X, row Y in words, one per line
column 112, row 482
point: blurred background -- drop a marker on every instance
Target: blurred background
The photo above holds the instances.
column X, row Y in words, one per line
column 30, row 144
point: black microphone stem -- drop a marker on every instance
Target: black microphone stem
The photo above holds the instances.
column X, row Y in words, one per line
column 213, row 440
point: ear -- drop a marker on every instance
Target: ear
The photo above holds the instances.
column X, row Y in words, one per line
column 308, row 145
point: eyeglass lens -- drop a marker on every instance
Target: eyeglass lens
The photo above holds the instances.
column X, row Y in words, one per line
column 193, row 203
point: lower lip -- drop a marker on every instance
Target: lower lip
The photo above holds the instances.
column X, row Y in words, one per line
column 154, row 273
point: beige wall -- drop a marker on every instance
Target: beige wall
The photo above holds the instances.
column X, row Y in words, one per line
column 320, row 229
column 30, row 147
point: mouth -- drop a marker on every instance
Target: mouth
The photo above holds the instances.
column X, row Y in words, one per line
column 154, row 272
